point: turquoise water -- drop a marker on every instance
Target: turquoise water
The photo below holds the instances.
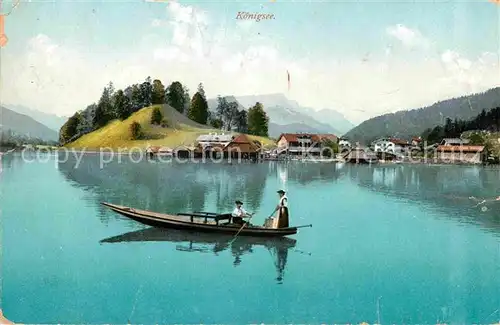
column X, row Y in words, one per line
column 391, row 244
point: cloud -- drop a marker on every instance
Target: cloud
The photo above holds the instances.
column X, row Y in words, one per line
column 410, row 38
column 56, row 78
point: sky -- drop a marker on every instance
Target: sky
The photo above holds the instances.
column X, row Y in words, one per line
column 360, row 58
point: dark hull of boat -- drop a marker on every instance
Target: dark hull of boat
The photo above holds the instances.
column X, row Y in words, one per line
column 174, row 222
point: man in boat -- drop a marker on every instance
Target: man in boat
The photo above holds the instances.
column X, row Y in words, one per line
column 239, row 213
column 281, row 221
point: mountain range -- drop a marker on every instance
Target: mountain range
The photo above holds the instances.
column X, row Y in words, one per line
column 52, row 121
column 24, row 126
column 409, row 123
column 288, row 116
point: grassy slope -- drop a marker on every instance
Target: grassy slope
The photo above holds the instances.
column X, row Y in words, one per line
column 116, row 134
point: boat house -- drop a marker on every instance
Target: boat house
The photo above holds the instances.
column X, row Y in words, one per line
column 242, row 147
column 460, row 154
column 361, row 155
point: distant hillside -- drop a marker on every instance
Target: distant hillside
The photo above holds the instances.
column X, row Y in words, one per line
column 333, row 118
column 52, row 121
column 414, row 122
column 24, row 126
column 288, row 116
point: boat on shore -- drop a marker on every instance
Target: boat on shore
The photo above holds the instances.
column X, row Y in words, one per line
column 207, row 222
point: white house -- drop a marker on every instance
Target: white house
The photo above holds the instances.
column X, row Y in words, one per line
column 214, row 139
column 454, row 142
column 344, row 144
column 390, row 145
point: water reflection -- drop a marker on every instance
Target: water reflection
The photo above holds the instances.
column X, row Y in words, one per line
column 209, row 243
column 169, row 188
column 304, row 173
column 455, row 189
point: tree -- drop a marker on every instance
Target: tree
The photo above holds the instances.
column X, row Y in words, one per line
column 156, row 116
column 258, row 121
column 146, row 92
column 135, row 131
column 122, row 106
column 230, row 115
column 329, row 147
column 201, row 90
column 213, row 121
column 241, row 121
column 134, row 95
column 158, row 93
column 69, row 129
column 187, row 99
column 87, row 119
column 222, row 107
column 198, row 109
column 175, row 96
column 104, row 110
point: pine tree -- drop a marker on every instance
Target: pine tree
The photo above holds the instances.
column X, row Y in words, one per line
column 258, row 121
column 122, row 106
column 146, row 92
column 198, row 109
column 104, row 110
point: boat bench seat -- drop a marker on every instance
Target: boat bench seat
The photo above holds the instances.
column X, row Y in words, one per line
column 208, row 215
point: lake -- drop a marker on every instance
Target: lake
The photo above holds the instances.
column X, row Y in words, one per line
column 394, row 244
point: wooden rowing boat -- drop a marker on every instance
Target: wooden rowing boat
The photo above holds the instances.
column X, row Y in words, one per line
column 198, row 221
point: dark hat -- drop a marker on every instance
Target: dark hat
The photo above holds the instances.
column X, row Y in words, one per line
column 238, row 202
column 281, row 192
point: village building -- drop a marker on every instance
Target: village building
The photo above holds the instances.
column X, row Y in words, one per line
column 212, row 139
column 454, row 142
column 344, row 144
column 391, row 145
column 361, row 155
column 302, row 144
column 242, row 147
column 416, row 141
column 158, row 150
column 460, row 154
column 213, row 146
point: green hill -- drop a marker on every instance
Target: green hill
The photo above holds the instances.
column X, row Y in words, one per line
column 116, row 134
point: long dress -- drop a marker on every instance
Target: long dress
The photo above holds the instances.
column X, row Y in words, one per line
column 283, row 218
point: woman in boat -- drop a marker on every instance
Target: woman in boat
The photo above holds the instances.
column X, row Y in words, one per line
column 239, row 213
column 282, row 208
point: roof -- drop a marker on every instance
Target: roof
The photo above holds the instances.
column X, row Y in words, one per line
column 294, row 137
column 242, row 138
column 399, row 141
column 214, row 138
column 455, row 140
column 331, row 137
column 448, row 148
column 416, row 139
column 153, row 149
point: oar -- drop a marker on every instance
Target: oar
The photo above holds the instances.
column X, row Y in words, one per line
column 241, row 229
column 304, row 226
